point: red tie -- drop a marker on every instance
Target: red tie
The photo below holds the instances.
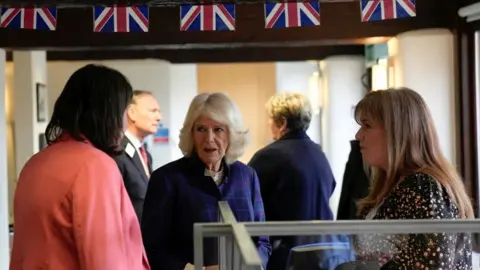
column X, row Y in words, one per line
column 143, row 153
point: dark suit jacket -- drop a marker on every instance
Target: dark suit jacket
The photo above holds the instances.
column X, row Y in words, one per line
column 355, row 184
column 179, row 195
column 296, row 182
column 134, row 176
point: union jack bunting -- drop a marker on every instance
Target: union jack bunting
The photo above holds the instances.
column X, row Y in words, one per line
column 378, row 10
column 120, row 19
column 29, row 18
column 292, row 14
column 218, row 17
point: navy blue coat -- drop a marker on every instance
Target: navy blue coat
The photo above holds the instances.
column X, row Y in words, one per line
column 179, row 195
column 296, row 182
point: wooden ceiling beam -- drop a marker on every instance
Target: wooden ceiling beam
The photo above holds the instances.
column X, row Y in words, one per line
column 152, row 3
column 264, row 54
column 340, row 24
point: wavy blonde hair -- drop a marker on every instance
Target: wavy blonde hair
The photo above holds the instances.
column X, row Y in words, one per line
column 412, row 146
column 220, row 108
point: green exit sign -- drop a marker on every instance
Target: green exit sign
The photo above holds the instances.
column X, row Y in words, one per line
column 373, row 52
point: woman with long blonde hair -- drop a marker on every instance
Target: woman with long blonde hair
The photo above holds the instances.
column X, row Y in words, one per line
column 411, row 179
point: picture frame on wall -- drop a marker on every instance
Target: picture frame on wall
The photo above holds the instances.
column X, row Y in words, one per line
column 42, row 102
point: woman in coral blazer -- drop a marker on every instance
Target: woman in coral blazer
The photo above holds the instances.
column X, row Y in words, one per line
column 71, row 209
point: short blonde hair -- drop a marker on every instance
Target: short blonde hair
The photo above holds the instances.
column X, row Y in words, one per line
column 222, row 109
column 295, row 108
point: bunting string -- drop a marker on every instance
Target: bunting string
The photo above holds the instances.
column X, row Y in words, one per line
column 206, row 17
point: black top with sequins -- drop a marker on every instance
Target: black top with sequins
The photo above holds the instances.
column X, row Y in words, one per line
column 418, row 196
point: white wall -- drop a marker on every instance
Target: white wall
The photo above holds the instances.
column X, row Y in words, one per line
column 423, row 61
column 11, row 167
column 4, row 213
column 183, row 88
column 22, row 128
column 343, row 89
column 174, row 86
column 30, row 67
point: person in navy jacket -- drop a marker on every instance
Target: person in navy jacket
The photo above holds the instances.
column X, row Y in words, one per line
column 295, row 177
column 187, row 191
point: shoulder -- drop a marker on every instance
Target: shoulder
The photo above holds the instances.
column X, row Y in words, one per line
column 293, row 149
column 173, row 165
column 84, row 155
column 128, row 150
column 243, row 174
column 272, row 153
column 239, row 167
column 95, row 170
column 171, row 168
column 420, row 195
column 100, row 162
column 270, row 149
column 421, row 184
column 121, row 158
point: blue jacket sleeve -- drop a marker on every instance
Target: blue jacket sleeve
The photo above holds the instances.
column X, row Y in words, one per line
column 262, row 242
column 158, row 211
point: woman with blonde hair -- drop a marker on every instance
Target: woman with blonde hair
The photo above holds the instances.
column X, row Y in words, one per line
column 411, row 179
column 187, row 190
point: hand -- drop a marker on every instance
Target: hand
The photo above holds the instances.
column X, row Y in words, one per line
column 213, row 267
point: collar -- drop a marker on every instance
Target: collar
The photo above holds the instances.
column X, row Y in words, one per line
column 217, row 177
column 133, row 139
column 292, row 135
column 212, row 173
column 198, row 167
column 66, row 136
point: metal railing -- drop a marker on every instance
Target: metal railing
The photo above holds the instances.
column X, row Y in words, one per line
column 237, row 250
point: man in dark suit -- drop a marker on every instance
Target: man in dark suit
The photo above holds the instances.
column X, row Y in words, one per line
column 135, row 163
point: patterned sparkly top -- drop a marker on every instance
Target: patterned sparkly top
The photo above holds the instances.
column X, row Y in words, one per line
column 418, row 196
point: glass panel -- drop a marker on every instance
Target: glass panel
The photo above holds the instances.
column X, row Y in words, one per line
column 390, row 251
column 343, row 245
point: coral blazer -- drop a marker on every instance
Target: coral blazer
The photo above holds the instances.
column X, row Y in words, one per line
column 72, row 212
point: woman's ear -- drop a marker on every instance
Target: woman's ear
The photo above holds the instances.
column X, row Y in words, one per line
column 283, row 124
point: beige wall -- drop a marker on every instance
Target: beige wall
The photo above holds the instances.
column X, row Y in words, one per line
column 9, row 110
column 250, row 85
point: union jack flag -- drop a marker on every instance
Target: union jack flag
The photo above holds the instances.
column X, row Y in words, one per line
column 29, row 18
column 120, row 19
column 378, row 10
column 218, row 17
column 293, row 14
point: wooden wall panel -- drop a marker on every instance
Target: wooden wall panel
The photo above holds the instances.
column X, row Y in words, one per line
column 249, row 85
